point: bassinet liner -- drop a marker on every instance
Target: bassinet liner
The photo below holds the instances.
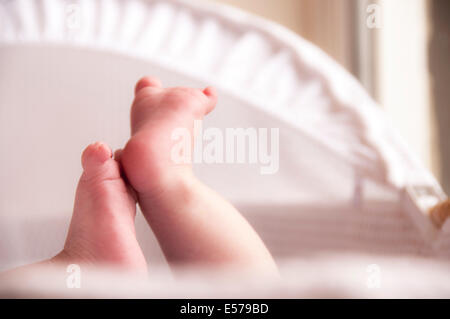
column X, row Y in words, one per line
column 346, row 181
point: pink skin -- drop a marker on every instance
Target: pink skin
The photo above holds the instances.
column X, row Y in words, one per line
column 156, row 112
column 193, row 224
column 102, row 228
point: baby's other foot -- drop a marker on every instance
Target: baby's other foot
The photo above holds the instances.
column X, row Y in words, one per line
column 102, row 229
column 193, row 224
column 156, row 114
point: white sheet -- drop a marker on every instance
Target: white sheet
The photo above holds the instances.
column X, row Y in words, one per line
column 343, row 169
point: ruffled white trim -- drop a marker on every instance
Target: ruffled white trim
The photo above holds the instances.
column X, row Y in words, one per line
column 268, row 66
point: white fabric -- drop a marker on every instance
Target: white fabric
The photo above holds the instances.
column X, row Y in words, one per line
column 343, row 169
column 340, row 275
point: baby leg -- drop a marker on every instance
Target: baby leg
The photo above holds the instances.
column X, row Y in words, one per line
column 102, row 229
column 193, row 224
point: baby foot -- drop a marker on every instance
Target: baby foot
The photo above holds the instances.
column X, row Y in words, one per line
column 193, row 224
column 102, row 228
column 155, row 115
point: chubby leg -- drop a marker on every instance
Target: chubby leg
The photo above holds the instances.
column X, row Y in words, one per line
column 194, row 225
column 102, row 229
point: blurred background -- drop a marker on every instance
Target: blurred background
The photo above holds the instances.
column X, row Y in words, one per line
column 398, row 49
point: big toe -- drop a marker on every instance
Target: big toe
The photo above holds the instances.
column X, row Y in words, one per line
column 97, row 162
column 147, row 81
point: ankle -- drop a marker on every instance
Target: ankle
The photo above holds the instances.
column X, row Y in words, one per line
column 178, row 190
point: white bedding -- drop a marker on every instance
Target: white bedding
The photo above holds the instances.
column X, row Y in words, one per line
column 343, row 170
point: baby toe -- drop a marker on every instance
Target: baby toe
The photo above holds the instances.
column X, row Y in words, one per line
column 97, row 152
column 95, row 155
column 211, row 94
column 147, row 81
column 118, row 155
